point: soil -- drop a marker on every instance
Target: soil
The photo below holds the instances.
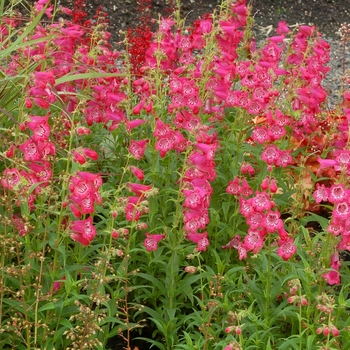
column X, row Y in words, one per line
column 327, row 15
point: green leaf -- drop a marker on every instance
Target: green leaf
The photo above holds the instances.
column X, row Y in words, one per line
column 91, row 75
column 48, row 306
column 20, row 42
column 153, row 280
column 155, row 343
column 66, row 323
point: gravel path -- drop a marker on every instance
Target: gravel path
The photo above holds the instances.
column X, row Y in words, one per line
column 339, row 64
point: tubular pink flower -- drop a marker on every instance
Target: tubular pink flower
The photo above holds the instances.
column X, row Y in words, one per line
column 138, row 148
column 83, row 231
column 321, row 193
column 31, row 151
column 42, row 171
column 246, row 189
column 335, row 228
column 326, row 163
column 245, row 207
column 234, row 187
column 284, row 159
column 341, row 210
column 11, row 177
column 332, row 277
column 139, row 189
column 282, row 28
column 10, row 152
column 163, row 145
column 247, row 168
column 134, row 124
column 151, row 241
column 253, row 241
column 286, row 248
column 80, row 188
column 265, row 184
column 90, row 153
column 337, row 193
column 200, row 238
column 40, row 127
column 79, row 158
column 86, row 204
column 335, row 262
column 261, row 135
column 271, row 154
column 233, row 243
column 272, row 221
column 94, row 179
column 137, row 172
column 255, row 219
column 261, row 201
column 276, row 131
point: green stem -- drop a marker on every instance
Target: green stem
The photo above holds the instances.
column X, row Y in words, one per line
column 300, row 324
column 24, row 303
column 39, row 288
column 268, row 279
column 2, row 274
column 172, row 281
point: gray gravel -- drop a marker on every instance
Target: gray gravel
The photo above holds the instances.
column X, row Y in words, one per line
column 340, row 65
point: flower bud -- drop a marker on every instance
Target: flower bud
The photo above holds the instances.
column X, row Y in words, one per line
column 335, row 331
column 191, row 269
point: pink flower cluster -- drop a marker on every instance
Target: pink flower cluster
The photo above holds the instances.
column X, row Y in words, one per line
column 84, row 194
column 37, row 151
column 261, row 217
column 197, row 189
column 175, row 55
column 65, row 51
column 336, row 195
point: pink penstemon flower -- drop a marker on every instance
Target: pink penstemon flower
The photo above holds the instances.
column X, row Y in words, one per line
column 137, row 172
column 40, row 127
column 83, row 231
column 151, row 241
column 253, row 241
column 201, row 239
column 10, row 178
column 286, row 248
column 332, row 277
column 138, row 148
